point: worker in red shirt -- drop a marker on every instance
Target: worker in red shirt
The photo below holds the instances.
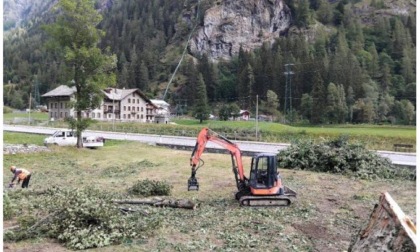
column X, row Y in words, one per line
column 21, row 175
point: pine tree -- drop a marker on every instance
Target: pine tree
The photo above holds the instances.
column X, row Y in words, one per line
column 382, row 31
column 331, row 109
column 318, row 96
column 383, row 108
column 201, row 109
column 373, row 65
column 342, row 104
column 249, row 83
column 407, row 66
column 210, row 76
column 400, row 39
column 302, row 19
column 143, row 82
column 133, row 69
column 246, row 82
column 306, row 104
column 190, row 88
column 324, row 12
column 355, row 34
column 385, row 79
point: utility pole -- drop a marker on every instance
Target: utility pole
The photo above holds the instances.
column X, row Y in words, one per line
column 37, row 97
column 30, row 101
column 288, row 89
column 256, row 121
column 113, row 109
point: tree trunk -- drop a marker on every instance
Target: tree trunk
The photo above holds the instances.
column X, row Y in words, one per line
column 78, row 131
column 158, row 202
column 389, row 229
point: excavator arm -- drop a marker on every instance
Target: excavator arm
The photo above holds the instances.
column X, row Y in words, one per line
column 205, row 136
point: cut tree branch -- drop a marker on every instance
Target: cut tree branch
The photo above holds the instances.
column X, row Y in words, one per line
column 158, row 202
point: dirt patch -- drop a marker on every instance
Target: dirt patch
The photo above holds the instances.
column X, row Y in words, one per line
column 317, row 234
column 45, row 246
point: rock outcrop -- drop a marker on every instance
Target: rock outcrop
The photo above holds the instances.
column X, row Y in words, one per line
column 232, row 23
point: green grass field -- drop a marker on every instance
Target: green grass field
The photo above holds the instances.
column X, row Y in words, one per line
column 328, row 211
column 34, row 115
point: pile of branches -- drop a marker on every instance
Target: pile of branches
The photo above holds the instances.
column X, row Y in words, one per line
column 339, row 156
column 81, row 219
column 146, row 188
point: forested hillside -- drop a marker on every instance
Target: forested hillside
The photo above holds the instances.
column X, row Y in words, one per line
column 338, row 61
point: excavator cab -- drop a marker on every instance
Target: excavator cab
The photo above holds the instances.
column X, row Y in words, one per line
column 263, row 174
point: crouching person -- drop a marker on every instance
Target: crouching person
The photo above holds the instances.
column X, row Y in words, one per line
column 21, row 175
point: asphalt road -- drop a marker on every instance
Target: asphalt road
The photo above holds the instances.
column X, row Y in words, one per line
column 398, row 158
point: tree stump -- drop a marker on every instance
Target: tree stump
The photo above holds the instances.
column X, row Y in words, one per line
column 389, row 229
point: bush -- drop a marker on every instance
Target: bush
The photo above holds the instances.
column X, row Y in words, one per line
column 338, row 156
column 7, row 110
column 148, row 188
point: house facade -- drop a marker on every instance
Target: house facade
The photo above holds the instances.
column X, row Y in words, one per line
column 244, row 115
column 162, row 112
column 58, row 102
column 126, row 105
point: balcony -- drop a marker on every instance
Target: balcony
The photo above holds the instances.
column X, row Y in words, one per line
column 116, row 111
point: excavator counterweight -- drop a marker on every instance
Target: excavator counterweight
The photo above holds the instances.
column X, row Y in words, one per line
column 264, row 186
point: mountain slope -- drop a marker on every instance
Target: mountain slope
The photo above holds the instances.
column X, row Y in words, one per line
column 365, row 48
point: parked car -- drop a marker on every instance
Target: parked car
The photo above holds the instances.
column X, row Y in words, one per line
column 69, row 138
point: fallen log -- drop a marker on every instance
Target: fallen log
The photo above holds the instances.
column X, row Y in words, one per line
column 11, row 228
column 158, row 202
column 389, row 229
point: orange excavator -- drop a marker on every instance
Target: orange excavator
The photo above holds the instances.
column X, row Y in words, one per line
column 264, row 186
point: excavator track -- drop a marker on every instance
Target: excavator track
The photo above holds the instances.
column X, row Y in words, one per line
column 258, row 201
column 269, row 200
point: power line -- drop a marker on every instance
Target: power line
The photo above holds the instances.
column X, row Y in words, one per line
column 185, row 50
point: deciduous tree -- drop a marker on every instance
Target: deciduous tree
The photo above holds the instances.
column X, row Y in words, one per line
column 75, row 32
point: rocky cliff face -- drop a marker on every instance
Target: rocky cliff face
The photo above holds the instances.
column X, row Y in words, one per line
column 16, row 12
column 232, row 23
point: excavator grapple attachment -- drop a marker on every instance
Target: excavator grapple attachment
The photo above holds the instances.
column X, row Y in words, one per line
column 193, row 184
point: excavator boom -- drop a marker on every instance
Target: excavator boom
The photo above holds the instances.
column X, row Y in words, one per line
column 203, row 137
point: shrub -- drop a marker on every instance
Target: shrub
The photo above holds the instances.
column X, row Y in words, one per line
column 338, row 156
column 148, row 188
column 7, row 110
